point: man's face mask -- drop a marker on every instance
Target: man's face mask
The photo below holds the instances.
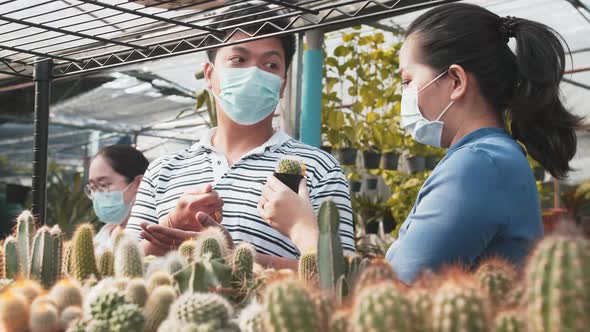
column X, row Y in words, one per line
column 422, row 130
column 248, row 95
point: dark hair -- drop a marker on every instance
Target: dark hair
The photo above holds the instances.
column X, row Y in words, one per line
column 125, row 160
column 248, row 13
column 522, row 87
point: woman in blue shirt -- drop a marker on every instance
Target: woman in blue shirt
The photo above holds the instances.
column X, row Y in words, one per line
column 462, row 85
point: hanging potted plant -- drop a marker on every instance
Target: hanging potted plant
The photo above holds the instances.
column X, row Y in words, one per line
column 415, row 158
column 369, row 212
column 433, row 157
column 391, row 143
column 354, row 180
column 372, row 141
column 372, row 183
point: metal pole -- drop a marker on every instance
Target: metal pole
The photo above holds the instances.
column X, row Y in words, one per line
column 311, row 116
column 42, row 78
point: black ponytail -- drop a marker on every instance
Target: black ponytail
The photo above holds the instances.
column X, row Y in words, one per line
column 522, row 87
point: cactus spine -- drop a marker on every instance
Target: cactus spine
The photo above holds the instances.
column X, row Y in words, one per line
column 459, row 306
column 11, row 261
column 212, row 241
column 83, row 260
column 339, row 321
column 106, row 264
column 66, row 293
column 188, row 249
column 13, row 306
column 126, row 318
column 376, row 271
column 250, row 319
column 242, row 262
column 105, row 304
column 46, row 256
column 158, row 306
column 136, row 292
column 509, row 321
column 381, row 308
column 201, row 308
column 289, row 166
column 421, row 300
column 496, row 278
column 331, row 263
column 128, row 259
column 289, row 307
column 25, row 230
column 557, row 296
column 308, row 268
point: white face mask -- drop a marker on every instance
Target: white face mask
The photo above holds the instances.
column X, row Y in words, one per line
column 422, row 130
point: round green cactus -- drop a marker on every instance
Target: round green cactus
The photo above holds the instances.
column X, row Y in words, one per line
column 557, row 295
column 105, row 304
column 339, row 321
column 380, row 308
column 201, row 308
column 136, row 292
column 98, row 326
column 509, row 321
column 376, row 271
column 77, row 327
column 496, row 278
column 308, row 268
column 83, row 260
column 127, row 318
column 289, row 166
column 106, row 264
column 213, row 241
column 128, row 259
column 288, row 306
column 158, row 306
column 459, row 305
column 188, row 249
column 66, row 293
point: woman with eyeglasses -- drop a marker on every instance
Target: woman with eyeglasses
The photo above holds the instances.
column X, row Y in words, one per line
column 113, row 180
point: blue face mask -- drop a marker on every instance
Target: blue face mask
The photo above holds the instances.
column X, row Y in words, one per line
column 110, row 208
column 248, row 95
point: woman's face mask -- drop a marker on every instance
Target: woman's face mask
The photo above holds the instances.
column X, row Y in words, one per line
column 110, row 207
column 422, row 130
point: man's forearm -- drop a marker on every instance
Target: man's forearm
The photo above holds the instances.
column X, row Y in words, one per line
column 276, row 262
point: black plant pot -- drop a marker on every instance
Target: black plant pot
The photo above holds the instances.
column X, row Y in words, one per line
column 390, row 161
column 372, row 159
column 372, row 227
column 290, row 180
column 371, row 184
column 388, row 222
column 431, row 162
column 348, row 156
column 355, row 186
column 539, row 173
column 327, row 149
column 416, row 164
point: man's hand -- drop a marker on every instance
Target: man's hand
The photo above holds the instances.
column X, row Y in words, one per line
column 184, row 215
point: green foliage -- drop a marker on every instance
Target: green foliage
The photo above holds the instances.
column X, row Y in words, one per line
column 405, row 188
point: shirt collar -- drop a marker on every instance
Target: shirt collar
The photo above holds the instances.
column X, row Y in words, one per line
column 276, row 141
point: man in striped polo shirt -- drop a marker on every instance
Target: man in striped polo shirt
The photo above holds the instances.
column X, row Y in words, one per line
column 226, row 171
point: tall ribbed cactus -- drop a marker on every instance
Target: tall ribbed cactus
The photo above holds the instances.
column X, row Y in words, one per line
column 212, row 240
column 460, row 306
column 288, row 306
column 381, row 308
column 46, row 256
column 25, row 230
column 558, row 285
column 14, row 312
column 83, row 260
column 11, row 261
column 331, row 263
column 242, row 262
column 496, row 278
column 106, row 264
column 308, row 268
column 66, row 293
column 201, row 308
column 66, row 258
column 509, row 321
column 128, row 259
column 158, row 306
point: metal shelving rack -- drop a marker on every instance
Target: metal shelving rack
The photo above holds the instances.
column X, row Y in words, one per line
column 48, row 39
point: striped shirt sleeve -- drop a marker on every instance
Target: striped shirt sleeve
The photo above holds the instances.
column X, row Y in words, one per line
column 144, row 209
column 333, row 185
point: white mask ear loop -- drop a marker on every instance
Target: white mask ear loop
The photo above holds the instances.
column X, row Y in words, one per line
column 445, row 110
column 434, row 80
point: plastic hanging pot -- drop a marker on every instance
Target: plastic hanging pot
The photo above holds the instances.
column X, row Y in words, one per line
column 431, row 162
column 372, row 184
column 290, row 180
column 372, row 159
column 348, row 156
column 539, row 173
column 372, row 227
column 327, row 149
column 355, row 186
column 388, row 222
column 416, row 164
column 390, row 161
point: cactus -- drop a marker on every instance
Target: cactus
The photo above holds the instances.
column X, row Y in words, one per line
column 242, row 262
column 289, row 166
column 11, row 261
column 25, row 230
column 121, row 283
column 509, row 321
column 515, row 296
column 46, row 256
column 66, row 293
column 174, row 262
column 13, row 305
column 128, row 259
column 5, row 283
column 69, row 316
column 126, row 318
column 381, row 308
column 250, row 319
column 105, row 304
column 331, row 263
column 201, row 308
column 187, row 249
column 421, row 300
column 288, row 306
column 66, row 258
column 82, row 260
column 496, row 278
column 159, row 278
column 30, row 289
column 98, row 326
column 77, row 327
column 2, row 265
column 44, row 317
column 354, row 266
column 136, row 292
column 308, row 268
column 147, row 260
column 158, row 306
column 324, row 306
column 376, row 271
column 204, row 275
column 119, row 237
column 106, row 264
column 460, row 306
column 339, row 321
column 557, row 295
column 212, row 240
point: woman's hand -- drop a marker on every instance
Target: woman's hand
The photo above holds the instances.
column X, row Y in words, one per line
column 290, row 213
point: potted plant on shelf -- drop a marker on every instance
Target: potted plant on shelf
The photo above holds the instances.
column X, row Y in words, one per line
column 369, row 211
column 433, row 157
column 354, row 179
column 415, row 157
column 391, row 143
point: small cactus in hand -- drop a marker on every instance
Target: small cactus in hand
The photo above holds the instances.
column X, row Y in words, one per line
column 188, row 249
column 212, row 240
column 381, row 308
column 44, row 317
column 158, row 306
column 288, row 306
column 13, row 305
column 11, row 261
column 126, row 318
column 136, row 292
column 66, row 293
column 83, row 260
column 201, row 308
column 128, row 259
column 25, row 231
column 308, row 268
column 159, row 278
column 509, row 321
column 106, row 264
column 289, row 166
column 46, row 256
column 496, row 278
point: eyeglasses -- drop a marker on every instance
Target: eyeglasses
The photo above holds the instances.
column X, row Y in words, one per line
column 90, row 189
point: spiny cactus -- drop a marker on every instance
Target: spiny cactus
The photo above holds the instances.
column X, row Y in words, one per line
column 158, row 306
column 30, row 289
column 509, row 321
column 98, row 326
column 66, row 258
column 339, row 321
column 289, row 166
column 127, row 318
column 212, row 240
column 201, row 308
column 242, row 262
column 44, row 317
column 46, row 256
column 69, row 316
column 25, row 230
column 83, row 260
column 250, row 319
column 325, row 305
column 308, row 268
column 515, row 296
column 496, row 278
column 106, row 264
column 421, row 300
column 2, row 265
column 288, row 306
column 460, row 306
column 136, row 292
column 558, row 292
column 381, row 308
column 174, row 262
column 79, row 326
column 119, row 236
column 11, row 261
column 13, row 305
column 121, row 283
column 331, row 263
column 105, row 304
column 128, row 259
column 159, row 278
column 376, row 271
column 66, row 293
column 187, row 249
column 204, row 275
column 5, row 283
